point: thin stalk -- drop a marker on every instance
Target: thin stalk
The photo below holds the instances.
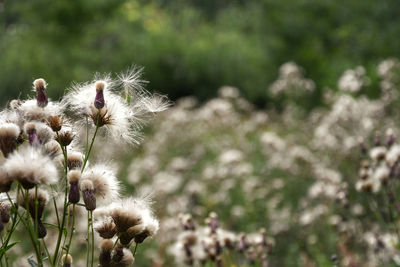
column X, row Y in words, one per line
column 47, row 252
column 14, row 224
column 87, row 135
column 91, row 224
column 91, row 143
column 88, row 241
column 36, row 223
column 55, row 207
column 61, row 228
column 134, row 250
column 72, row 231
column 30, row 230
column 115, row 243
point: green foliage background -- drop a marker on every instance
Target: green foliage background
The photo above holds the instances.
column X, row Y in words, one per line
column 192, row 47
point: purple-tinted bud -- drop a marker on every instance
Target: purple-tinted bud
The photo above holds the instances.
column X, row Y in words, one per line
column 41, row 97
column 33, row 139
column 99, row 100
column 89, row 199
column 74, row 194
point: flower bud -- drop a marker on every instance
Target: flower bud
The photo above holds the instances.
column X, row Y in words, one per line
column 42, row 232
column 88, row 194
column 99, row 100
column 66, row 136
column 41, row 97
column 74, row 194
column 9, row 133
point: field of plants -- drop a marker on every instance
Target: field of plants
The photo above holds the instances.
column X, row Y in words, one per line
column 220, row 183
column 199, row 133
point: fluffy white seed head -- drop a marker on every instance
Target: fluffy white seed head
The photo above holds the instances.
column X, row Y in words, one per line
column 105, row 183
column 30, row 167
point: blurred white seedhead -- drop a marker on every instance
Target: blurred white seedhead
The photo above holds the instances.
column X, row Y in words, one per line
column 353, row 80
column 291, row 81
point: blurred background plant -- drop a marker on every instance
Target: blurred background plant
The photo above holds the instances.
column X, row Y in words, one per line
column 279, row 150
column 192, row 47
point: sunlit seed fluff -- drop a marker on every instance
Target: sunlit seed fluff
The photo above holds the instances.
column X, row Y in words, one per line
column 31, row 167
column 5, row 180
column 41, row 97
column 105, row 183
column 126, row 214
column 122, row 120
column 9, row 133
column 15, row 103
column 30, row 111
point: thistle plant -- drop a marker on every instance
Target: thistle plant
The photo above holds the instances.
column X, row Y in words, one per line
column 47, row 184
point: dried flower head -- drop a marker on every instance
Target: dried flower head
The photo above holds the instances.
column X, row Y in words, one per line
column 65, row 136
column 31, row 167
column 105, row 252
column 75, row 160
column 5, row 181
column 55, row 122
column 9, row 133
column 106, row 228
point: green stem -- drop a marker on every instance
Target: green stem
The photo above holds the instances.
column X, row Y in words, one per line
column 91, row 143
column 15, row 222
column 88, row 241
column 91, row 224
column 72, row 230
column 134, row 251
column 31, row 230
column 61, row 228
